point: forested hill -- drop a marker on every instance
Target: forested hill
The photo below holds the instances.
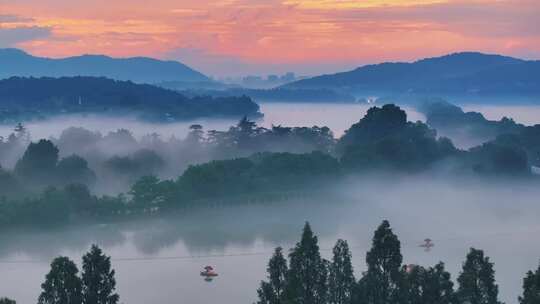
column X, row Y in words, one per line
column 29, row 98
column 456, row 74
column 15, row 62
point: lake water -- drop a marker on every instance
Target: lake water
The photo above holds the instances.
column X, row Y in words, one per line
column 158, row 260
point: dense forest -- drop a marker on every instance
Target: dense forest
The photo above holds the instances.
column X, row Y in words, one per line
column 246, row 162
column 36, row 98
column 303, row 276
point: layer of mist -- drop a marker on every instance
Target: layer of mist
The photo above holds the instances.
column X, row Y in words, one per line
column 499, row 218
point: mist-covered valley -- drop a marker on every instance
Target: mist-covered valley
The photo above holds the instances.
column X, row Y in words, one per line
column 163, row 229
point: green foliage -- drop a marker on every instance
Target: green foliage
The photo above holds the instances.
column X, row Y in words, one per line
column 381, row 282
column 7, row 301
column 9, row 185
column 341, row 281
column 383, row 139
column 427, row 286
column 150, row 191
column 248, row 138
column 57, row 206
column 74, row 169
column 259, row 173
column 531, row 288
column 272, row 291
column 308, row 272
column 62, row 284
column 98, row 279
column 494, row 158
column 38, row 162
column 477, row 280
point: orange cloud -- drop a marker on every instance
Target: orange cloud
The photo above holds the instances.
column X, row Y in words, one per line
column 289, row 33
column 357, row 4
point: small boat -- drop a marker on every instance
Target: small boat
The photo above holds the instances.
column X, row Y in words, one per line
column 427, row 245
column 209, row 272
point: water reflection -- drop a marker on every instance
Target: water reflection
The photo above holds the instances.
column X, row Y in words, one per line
column 159, row 260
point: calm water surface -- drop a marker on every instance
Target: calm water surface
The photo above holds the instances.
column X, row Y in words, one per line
column 501, row 220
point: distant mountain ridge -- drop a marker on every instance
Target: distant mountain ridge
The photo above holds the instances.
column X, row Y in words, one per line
column 467, row 73
column 23, row 99
column 15, row 62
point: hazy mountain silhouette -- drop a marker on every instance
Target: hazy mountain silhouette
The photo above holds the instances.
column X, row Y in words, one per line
column 24, row 99
column 15, row 62
column 455, row 74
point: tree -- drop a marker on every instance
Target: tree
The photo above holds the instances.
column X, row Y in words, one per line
column 380, row 284
column 531, row 288
column 195, row 135
column 146, row 191
column 427, row 286
column 307, row 276
column 98, row 279
column 74, row 169
column 341, row 277
column 7, row 301
column 271, row 292
column 438, row 287
column 38, row 162
column 477, row 280
column 62, row 285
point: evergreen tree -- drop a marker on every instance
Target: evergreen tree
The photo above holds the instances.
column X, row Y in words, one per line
column 427, row 286
column 7, row 301
column 62, row 285
column 271, row 292
column 477, row 280
column 307, row 276
column 341, row 277
column 438, row 287
column 98, row 279
column 531, row 288
column 380, row 284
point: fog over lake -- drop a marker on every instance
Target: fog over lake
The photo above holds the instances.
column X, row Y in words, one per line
column 525, row 114
column 500, row 219
column 159, row 259
column 338, row 117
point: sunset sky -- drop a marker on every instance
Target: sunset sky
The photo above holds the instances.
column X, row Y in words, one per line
column 238, row 37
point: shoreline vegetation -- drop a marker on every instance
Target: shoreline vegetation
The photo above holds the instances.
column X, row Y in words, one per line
column 381, row 142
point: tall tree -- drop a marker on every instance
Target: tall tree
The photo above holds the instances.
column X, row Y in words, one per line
column 271, row 292
column 98, row 279
column 307, row 276
column 427, row 286
column 531, row 288
column 477, row 280
column 438, row 286
column 62, row 284
column 341, row 277
column 380, row 284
